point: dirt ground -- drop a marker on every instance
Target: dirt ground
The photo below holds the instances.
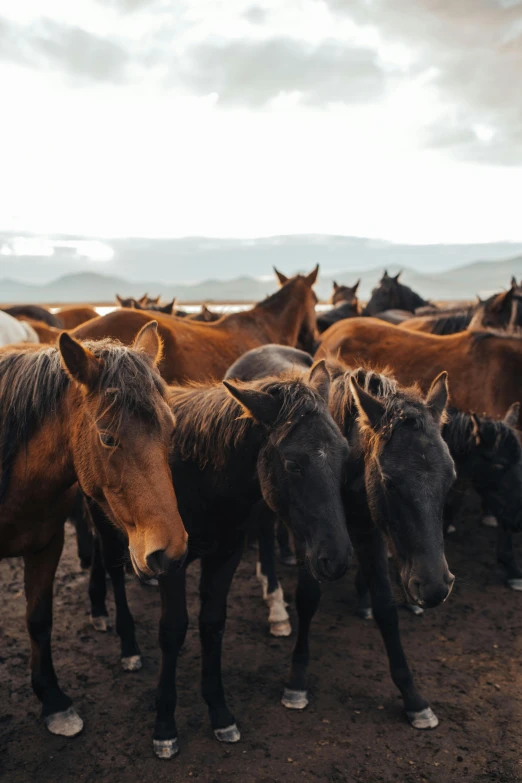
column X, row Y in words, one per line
column 466, row 655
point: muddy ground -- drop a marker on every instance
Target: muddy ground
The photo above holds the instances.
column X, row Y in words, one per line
column 466, row 655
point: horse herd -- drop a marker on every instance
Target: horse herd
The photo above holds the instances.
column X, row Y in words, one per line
column 177, row 437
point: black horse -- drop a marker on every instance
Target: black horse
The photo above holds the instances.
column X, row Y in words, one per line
column 488, row 456
column 345, row 305
column 274, row 440
column 36, row 313
column 392, row 295
column 399, row 474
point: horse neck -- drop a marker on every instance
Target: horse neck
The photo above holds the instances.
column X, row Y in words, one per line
column 282, row 315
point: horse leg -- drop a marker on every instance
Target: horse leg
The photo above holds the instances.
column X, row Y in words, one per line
column 172, row 631
column 217, row 572
column 98, row 588
column 372, row 556
column 307, row 597
column 364, row 601
column 114, row 553
column 58, row 713
column 273, row 595
column 84, row 537
column 286, row 556
column 506, row 558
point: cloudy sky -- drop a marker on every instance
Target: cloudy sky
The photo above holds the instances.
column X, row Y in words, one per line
column 396, row 119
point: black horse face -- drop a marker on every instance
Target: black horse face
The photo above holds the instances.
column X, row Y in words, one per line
column 408, row 473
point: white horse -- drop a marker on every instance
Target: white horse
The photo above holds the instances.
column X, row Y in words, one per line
column 13, row 331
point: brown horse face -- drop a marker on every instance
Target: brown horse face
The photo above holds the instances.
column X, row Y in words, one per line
column 120, row 439
column 408, row 473
column 345, row 293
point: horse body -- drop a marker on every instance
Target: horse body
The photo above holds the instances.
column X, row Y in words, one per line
column 95, row 414
column 485, row 367
column 14, row 331
column 75, row 315
column 200, row 351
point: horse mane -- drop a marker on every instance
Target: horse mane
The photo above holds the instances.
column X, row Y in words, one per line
column 33, row 385
column 210, row 423
column 450, row 323
column 458, row 432
column 482, row 333
column 401, row 404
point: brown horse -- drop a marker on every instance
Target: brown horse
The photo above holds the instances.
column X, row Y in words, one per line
column 46, row 334
column 75, row 315
column 203, row 351
column 96, row 414
column 485, row 367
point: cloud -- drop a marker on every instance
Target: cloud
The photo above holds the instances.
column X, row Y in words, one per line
column 473, row 51
column 255, row 14
column 47, row 44
column 253, row 72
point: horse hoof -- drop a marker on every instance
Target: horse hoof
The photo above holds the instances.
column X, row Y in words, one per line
column 294, row 700
column 515, row 584
column 414, row 609
column 451, row 529
column 100, row 623
column 132, row 663
column 365, row 613
column 229, row 734
column 288, row 560
column 66, row 724
column 489, row 521
column 280, row 629
column 166, row 749
column 152, row 582
column 425, row 719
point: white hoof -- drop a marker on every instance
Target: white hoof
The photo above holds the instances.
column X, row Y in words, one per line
column 414, row 609
column 294, row 700
column 425, row 719
column 280, row 629
column 166, row 749
column 229, row 734
column 132, row 663
column 365, row 613
column 100, row 623
column 489, row 521
column 451, row 529
column 65, row 724
column 515, row 584
column 152, row 582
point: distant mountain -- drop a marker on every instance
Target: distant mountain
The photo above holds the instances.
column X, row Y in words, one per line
column 41, row 259
column 463, row 282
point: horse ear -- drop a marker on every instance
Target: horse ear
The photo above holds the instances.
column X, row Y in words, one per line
column 500, row 301
column 80, row 363
column 479, row 300
column 513, row 281
column 311, row 279
column 281, row 277
column 119, row 300
column 356, row 286
column 168, row 308
column 335, row 286
column 437, row 397
column 149, row 342
column 143, row 299
column 512, row 414
column 155, row 300
column 396, row 278
column 257, row 405
column 370, row 409
column 319, row 379
column 134, row 305
column 385, row 275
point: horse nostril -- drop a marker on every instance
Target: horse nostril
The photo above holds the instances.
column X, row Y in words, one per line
column 330, row 569
column 158, row 562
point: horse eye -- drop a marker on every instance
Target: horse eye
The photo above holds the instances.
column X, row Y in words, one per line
column 108, row 440
column 291, row 466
